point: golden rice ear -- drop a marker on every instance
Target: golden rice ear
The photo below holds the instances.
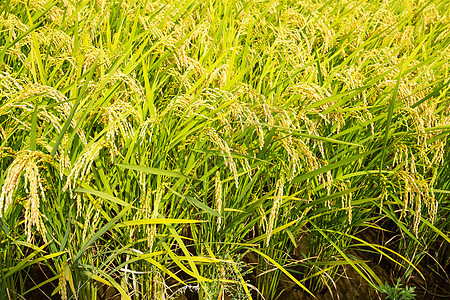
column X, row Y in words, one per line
column 13, row 24
column 218, row 197
column 82, row 166
column 152, row 213
column 37, row 89
column 414, row 191
column 146, row 213
column 183, row 61
column 277, row 201
column 88, row 220
column 245, row 163
column 226, row 152
column 263, row 223
column 147, row 127
column 62, row 282
column 31, row 90
column 217, row 74
column 268, row 118
column 346, row 199
column 122, row 116
column 25, row 165
column 32, row 212
column 328, row 183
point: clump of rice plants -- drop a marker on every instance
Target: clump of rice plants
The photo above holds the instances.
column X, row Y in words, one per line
column 233, row 149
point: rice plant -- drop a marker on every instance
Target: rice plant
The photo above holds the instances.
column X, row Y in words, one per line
column 222, row 149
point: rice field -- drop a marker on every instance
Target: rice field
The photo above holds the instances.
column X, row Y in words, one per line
column 236, row 149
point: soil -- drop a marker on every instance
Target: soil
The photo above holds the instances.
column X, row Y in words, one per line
column 37, row 274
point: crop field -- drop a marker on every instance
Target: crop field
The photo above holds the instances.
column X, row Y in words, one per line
column 235, row 149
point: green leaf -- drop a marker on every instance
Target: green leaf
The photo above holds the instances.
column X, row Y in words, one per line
column 102, row 195
column 332, row 166
column 198, row 204
column 155, row 171
column 100, row 232
column 74, row 109
column 272, row 261
column 157, row 221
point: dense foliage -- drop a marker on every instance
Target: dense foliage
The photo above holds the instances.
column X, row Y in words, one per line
column 221, row 147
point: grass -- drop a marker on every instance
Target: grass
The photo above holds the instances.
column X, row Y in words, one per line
column 221, row 147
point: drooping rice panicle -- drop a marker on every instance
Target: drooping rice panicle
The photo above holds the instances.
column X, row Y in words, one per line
column 218, row 197
column 277, row 201
column 25, row 167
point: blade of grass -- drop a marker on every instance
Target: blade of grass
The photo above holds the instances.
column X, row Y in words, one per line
column 100, row 232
